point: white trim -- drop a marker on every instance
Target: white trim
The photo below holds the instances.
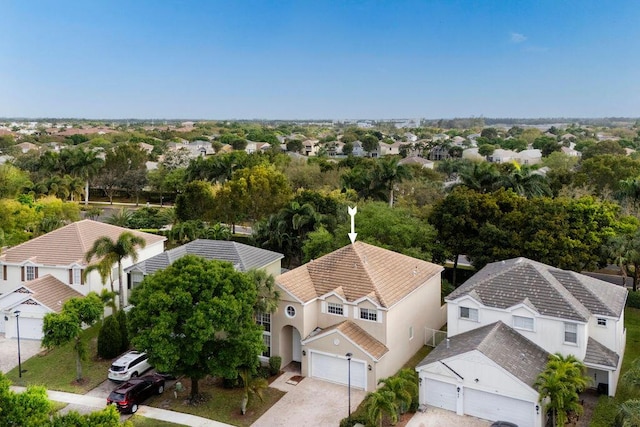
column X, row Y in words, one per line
column 286, row 311
column 338, row 356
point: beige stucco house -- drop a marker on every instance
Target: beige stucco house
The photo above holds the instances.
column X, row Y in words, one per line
column 361, row 300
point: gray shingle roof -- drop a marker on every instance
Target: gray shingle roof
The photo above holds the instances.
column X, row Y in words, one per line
column 497, row 341
column 549, row 290
column 243, row 257
column 600, row 355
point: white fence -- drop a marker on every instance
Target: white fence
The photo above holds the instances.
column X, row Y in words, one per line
column 433, row 337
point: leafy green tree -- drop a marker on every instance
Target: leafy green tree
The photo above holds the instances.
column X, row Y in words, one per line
column 546, row 144
column 109, row 338
column 12, row 181
column 196, row 318
column 604, row 173
column 486, row 150
column 115, row 252
column 560, row 384
column 196, row 202
column 61, row 328
column 370, row 143
column 603, row 147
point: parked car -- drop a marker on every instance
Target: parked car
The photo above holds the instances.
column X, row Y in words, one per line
column 128, row 396
column 503, row 424
column 129, row 365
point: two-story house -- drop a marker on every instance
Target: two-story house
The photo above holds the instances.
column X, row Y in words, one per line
column 60, row 257
column 362, row 300
column 503, row 323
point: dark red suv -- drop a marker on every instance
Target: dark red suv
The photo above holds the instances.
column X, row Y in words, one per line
column 128, row 396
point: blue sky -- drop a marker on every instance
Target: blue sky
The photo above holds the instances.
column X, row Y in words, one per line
column 319, row 59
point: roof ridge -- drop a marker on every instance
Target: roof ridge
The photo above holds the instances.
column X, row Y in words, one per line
column 369, row 272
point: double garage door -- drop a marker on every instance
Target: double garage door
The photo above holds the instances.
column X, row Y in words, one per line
column 480, row 404
column 30, row 328
column 335, row 369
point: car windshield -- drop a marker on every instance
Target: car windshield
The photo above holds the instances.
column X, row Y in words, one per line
column 116, row 397
column 116, row 368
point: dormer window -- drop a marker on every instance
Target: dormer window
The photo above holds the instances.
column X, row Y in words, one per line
column 30, row 272
column 369, row 314
column 521, row 322
column 335, row 308
column 469, row 313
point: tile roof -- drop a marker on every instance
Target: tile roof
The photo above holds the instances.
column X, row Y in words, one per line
column 356, row 334
column 68, row 244
column 598, row 354
column 500, row 343
column 51, row 292
column 361, row 270
column 244, row 257
column 549, row 290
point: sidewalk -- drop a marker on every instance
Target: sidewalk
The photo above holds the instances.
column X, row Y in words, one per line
column 144, row 411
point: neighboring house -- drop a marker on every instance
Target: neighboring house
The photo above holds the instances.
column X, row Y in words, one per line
column 390, row 149
column 27, row 146
column 529, row 157
column 472, row 154
column 60, row 255
column 500, row 155
column 243, row 257
column 34, row 299
column 551, row 310
column 359, row 299
column 415, row 160
column 310, row 147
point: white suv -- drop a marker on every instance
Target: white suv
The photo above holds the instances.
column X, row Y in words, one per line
column 129, row 365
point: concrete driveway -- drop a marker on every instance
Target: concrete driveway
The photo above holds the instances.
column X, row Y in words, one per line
column 436, row 417
column 309, row 403
column 9, row 351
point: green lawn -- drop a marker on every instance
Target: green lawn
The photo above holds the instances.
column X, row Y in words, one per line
column 56, row 369
column 606, row 409
column 221, row 404
column 139, row 421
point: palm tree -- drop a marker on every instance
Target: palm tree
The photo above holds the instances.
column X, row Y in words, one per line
column 218, row 231
column 117, row 251
column 402, row 389
column 525, row 182
column 624, row 251
column 252, row 386
column 482, row 177
column 630, row 413
column 268, row 295
column 84, row 164
column 387, row 173
column 559, row 384
column 120, row 218
column 381, row 403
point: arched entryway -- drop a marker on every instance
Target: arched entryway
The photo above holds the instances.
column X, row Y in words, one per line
column 290, row 345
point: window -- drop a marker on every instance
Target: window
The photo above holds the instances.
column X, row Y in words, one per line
column 520, row 322
column 571, row 333
column 410, row 333
column 77, row 276
column 335, row 308
column 136, row 278
column 31, row 272
column 602, row 322
column 369, row 314
column 264, row 319
column 469, row 313
column 291, row 311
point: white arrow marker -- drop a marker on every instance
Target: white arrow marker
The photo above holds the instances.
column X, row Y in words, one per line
column 353, row 211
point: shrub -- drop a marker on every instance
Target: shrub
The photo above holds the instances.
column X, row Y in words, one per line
column 275, row 363
column 121, row 317
column 109, row 339
column 633, row 300
column 605, row 413
column 355, row 419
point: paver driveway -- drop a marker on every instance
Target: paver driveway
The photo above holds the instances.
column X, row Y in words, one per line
column 310, row 403
column 9, row 351
column 436, row 417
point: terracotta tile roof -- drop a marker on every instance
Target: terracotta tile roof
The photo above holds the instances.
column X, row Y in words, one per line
column 500, row 343
column 51, row 292
column 549, row 290
column 360, row 270
column 356, row 334
column 67, row 245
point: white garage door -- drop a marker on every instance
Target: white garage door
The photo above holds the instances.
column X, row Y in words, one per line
column 440, row 394
column 336, row 369
column 30, row 328
column 495, row 407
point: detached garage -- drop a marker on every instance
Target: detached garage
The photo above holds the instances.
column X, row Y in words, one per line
column 479, row 373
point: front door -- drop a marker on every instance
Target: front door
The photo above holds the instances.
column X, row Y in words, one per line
column 297, row 346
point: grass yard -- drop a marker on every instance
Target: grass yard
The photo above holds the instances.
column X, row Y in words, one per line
column 604, row 413
column 221, row 405
column 56, row 369
column 139, row 421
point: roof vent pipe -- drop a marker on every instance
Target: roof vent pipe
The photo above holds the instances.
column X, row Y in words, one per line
column 448, row 340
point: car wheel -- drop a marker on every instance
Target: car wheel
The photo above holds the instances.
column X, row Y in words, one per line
column 134, row 375
column 160, row 389
column 134, row 408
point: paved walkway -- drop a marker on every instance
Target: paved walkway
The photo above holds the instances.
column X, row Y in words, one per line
column 145, row 411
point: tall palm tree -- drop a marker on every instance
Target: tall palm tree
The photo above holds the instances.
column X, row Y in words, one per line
column 525, row 182
column 84, row 164
column 482, row 177
column 559, row 384
column 624, row 251
column 381, row 403
column 125, row 246
column 268, row 295
column 387, row 173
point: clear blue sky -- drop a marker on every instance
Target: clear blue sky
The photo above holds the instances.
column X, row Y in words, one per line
column 319, row 59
